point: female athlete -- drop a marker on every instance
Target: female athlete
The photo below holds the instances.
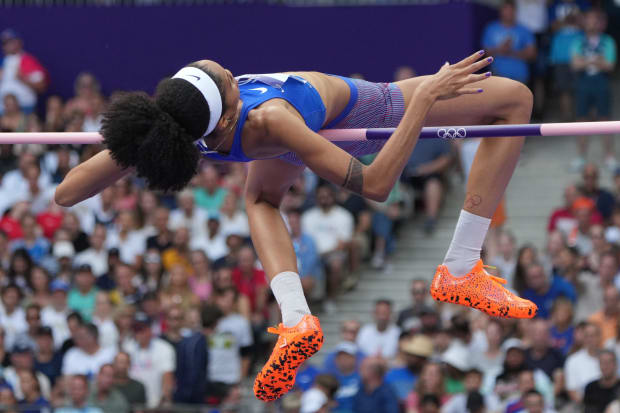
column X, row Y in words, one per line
column 272, row 120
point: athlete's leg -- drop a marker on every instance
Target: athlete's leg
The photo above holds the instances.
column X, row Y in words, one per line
column 503, row 102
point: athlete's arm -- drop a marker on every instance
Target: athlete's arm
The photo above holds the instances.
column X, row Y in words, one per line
column 376, row 180
column 89, row 178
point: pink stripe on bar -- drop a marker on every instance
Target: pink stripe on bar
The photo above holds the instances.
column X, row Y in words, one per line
column 580, row 128
column 50, row 137
column 344, row 134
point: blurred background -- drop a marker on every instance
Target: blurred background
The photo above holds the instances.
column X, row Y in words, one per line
column 140, row 301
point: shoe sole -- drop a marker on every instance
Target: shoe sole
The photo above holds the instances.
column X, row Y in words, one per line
column 503, row 311
column 273, row 383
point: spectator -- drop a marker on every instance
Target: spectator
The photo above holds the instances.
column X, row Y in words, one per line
column 174, row 333
column 209, row 195
column 88, row 100
column 526, row 256
column 104, row 395
column 7, row 398
column 54, row 121
column 82, row 297
column 178, row 290
column 374, row 395
column 543, row 291
column 71, row 224
column 251, row 283
column 202, row 280
column 14, row 119
column 232, row 219
column 55, row 314
column 96, row 255
column 381, row 337
column 318, row 398
column 540, row 354
column 562, row 328
column 331, row 227
column 47, row 360
column 506, row 260
column 533, row 402
column 491, row 359
column 188, row 215
column 153, row 271
column 22, row 74
column 103, row 319
column 308, row 260
column 127, row 291
column 131, row 389
column 459, row 403
column 346, row 370
column 424, row 171
column 130, row 242
column 348, row 333
column 591, row 295
column 583, row 367
column 33, row 319
column 431, row 381
column 230, row 344
column 152, row 362
column 414, row 351
column 594, row 58
column 33, row 401
column 590, row 188
column 599, row 247
column 409, row 318
column 63, row 253
column 511, row 44
column 78, row 397
column 214, row 243
column 40, row 286
column 74, row 322
column 607, row 318
column 162, row 240
column 22, row 360
column 13, row 317
column 20, row 268
column 36, row 245
column 88, row 356
column 600, row 393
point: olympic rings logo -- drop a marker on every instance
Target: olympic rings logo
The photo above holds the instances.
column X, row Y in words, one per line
column 451, row 133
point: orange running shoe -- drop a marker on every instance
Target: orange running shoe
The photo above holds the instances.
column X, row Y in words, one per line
column 294, row 346
column 482, row 291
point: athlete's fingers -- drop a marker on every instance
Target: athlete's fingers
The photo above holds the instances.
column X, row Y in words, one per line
column 469, row 91
column 470, row 59
column 474, row 67
column 477, row 78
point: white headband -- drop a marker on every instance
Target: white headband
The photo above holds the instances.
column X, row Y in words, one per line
column 203, row 82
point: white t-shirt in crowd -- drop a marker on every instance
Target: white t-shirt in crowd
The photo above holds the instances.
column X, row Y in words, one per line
column 108, row 333
column 98, row 260
column 148, row 365
column 580, row 369
column 13, row 324
column 57, row 321
column 231, row 333
column 328, row 228
column 129, row 248
column 372, row 341
column 11, row 84
column 196, row 223
column 10, row 375
column 77, row 361
column 237, row 225
column 214, row 247
column 533, row 15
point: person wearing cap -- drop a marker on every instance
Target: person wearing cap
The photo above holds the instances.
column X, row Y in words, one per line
column 346, row 372
column 348, row 333
column 153, row 362
column 22, row 74
column 414, row 351
column 87, row 356
column 55, row 314
column 188, row 215
column 63, row 252
column 46, row 359
column 82, row 296
column 563, row 218
column 22, row 359
column 96, row 255
column 380, row 337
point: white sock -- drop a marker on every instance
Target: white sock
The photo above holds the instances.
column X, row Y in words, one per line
column 289, row 294
column 466, row 243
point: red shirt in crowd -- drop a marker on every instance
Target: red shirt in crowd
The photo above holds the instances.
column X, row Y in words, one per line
column 565, row 214
column 49, row 223
column 11, row 227
column 248, row 286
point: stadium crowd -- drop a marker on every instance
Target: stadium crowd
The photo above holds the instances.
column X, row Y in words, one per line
column 135, row 300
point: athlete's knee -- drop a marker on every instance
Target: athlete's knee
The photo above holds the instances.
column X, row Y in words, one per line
column 520, row 100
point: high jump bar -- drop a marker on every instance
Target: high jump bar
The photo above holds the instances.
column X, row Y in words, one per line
column 343, row 135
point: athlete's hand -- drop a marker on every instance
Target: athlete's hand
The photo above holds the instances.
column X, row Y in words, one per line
column 455, row 80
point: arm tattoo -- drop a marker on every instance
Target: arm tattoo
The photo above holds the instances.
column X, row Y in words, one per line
column 354, row 181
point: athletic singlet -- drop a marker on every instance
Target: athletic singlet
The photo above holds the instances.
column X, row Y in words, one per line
column 257, row 89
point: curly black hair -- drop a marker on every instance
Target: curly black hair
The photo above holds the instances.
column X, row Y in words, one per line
column 156, row 135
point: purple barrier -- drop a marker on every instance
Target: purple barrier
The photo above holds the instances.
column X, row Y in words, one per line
column 132, row 48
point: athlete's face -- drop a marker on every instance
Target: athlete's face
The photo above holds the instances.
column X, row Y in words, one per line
column 229, row 86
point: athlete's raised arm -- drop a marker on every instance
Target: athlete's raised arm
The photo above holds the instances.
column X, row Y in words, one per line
column 89, row 178
column 376, row 180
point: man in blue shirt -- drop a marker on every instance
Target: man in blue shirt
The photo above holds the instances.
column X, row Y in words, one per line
column 511, row 44
column 543, row 289
column 415, row 351
column 346, row 372
column 375, row 395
